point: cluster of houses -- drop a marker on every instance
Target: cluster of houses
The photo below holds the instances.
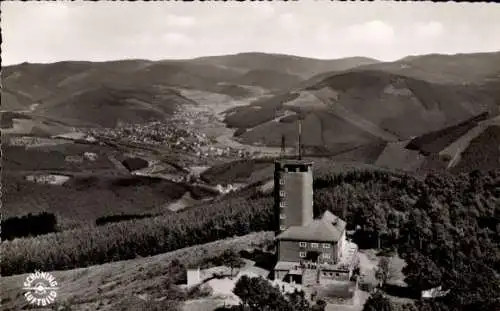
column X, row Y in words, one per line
column 156, row 133
column 180, row 137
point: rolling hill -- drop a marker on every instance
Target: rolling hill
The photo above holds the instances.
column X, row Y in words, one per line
column 256, row 172
column 463, row 147
column 414, row 109
column 483, row 152
column 269, row 79
column 354, row 109
column 466, row 69
column 19, row 123
column 435, row 142
column 404, row 116
column 139, row 90
column 134, row 90
column 362, row 107
column 92, row 196
column 107, row 107
column 292, row 65
column 132, row 279
column 96, row 186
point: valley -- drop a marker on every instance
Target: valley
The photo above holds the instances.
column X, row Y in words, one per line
column 178, row 116
column 141, row 163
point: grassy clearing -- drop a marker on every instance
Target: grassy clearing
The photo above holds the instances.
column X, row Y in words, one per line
column 97, row 187
column 57, row 158
column 84, row 198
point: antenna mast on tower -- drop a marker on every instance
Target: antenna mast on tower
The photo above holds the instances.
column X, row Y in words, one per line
column 300, row 139
column 282, row 145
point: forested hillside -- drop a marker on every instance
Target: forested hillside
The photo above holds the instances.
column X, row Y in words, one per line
column 446, row 227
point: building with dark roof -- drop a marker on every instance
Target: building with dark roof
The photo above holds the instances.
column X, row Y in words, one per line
column 309, row 251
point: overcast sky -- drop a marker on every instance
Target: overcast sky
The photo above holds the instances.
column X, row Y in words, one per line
column 55, row 31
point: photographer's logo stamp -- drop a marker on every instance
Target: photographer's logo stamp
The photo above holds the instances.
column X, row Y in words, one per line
column 41, row 288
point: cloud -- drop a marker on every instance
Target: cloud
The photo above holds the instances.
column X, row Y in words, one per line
column 374, row 32
column 175, row 38
column 289, row 21
column 55, row 31
column 431, row 29
column 180, row 21
column 324, row 34
column 265, row 10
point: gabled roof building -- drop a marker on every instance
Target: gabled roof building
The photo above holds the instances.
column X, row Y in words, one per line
column 310, row 251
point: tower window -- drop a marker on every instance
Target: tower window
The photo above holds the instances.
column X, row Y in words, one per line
column 282, row 216
column 302, row 254
column 326, row 255
column 282, row 181
column 282, row 228
column 326, row 245
column 282, row 204
column 282, row 193
column 314, row 245
column 302, row 244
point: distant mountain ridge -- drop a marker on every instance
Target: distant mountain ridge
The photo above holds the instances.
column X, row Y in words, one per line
column 290, row 64
column 388, row 106
column 348, row 105
column 474, row 68
column 435, row 99
column 76, row 83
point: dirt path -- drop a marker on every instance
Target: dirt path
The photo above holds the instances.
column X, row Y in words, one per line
column 182, row 203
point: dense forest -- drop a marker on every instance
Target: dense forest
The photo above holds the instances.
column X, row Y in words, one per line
column 446, row 227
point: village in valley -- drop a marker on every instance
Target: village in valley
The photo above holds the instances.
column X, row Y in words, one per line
column 178, row 134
